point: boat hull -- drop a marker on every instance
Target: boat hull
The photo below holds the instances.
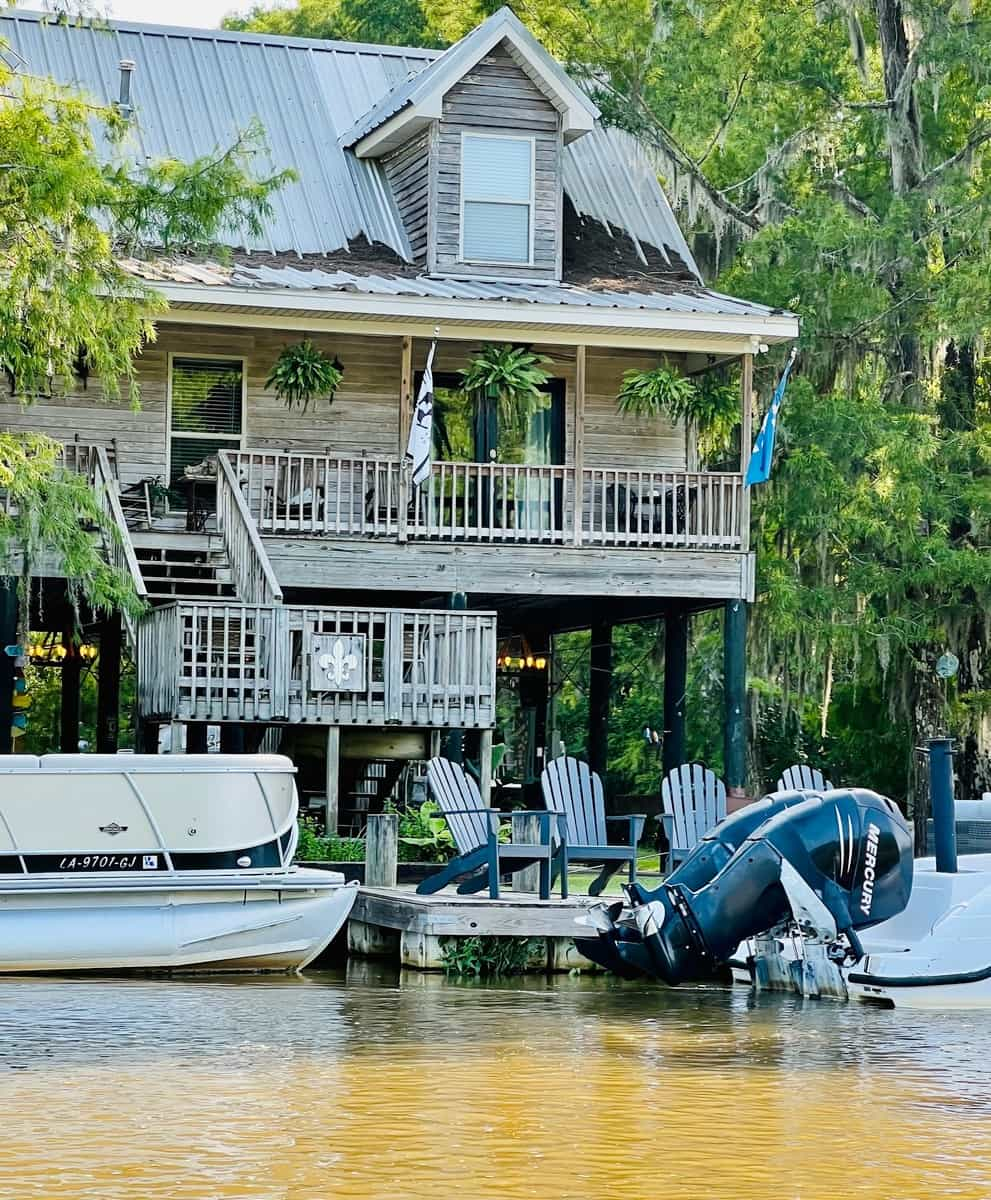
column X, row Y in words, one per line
column 279, row 922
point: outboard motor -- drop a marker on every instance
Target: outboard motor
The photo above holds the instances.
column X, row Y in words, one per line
column 832, row 863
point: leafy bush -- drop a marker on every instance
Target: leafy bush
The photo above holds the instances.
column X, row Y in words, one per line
column 423, row 834
column 315, row 848
column 303, row 373
column 482, row 957
column 709, row 402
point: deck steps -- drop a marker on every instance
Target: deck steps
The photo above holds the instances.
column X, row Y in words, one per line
column 184, row 567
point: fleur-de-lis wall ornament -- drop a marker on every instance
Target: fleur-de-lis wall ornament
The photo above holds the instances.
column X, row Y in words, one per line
column 339, row 664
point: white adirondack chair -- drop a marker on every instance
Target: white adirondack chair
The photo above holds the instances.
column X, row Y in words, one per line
column 693, row 800
column 574, row 790
column 803, row 778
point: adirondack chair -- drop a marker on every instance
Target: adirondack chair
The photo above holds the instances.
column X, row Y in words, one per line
column 475, row 828
column 803, row 778
column 573, row 789
column 693, row 800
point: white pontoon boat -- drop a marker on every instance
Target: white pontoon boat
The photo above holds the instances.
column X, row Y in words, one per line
column 148, row 862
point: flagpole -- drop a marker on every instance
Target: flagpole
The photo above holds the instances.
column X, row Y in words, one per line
column 746, row 444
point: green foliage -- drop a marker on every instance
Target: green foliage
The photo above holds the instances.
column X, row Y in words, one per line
column 44, row 686
column 313, row 847
column 708, row 403
column 303, row 373
column 423, row 834
column 399, row 22
column 515, row 376
column 482, row 957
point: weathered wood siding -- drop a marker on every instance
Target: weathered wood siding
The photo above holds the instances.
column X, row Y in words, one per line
column 497, row 97
column 364, row 418
column 407, row 171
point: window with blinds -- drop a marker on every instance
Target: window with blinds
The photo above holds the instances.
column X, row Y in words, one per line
column 496, row 199
column 207, row 410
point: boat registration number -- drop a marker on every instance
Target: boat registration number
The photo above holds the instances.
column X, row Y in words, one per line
column 109, row 862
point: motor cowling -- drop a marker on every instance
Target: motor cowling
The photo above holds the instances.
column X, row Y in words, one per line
column 833, row 863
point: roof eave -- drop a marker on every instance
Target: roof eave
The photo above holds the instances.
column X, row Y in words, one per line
column 767, row 328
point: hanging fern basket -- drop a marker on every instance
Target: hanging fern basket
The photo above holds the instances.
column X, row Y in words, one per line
column 303, row 374
column 710, row 403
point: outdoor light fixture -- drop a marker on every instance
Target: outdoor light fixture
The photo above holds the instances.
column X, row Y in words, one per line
column 52, row 653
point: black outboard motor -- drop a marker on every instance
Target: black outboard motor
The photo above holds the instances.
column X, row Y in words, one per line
column 832, row 863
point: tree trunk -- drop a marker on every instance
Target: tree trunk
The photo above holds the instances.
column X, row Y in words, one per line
column 904, row 140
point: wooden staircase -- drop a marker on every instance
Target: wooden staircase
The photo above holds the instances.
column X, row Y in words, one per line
column 183, row 567
column 366, row 784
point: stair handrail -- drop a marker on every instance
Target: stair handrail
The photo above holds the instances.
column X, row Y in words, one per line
column 116, row 537
column 254, row 578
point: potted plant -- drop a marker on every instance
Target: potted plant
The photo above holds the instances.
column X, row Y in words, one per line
column 710, row 403
column 512, row 376
column 302, row 373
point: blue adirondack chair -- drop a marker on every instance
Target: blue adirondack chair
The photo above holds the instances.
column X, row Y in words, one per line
column 572, row 789
column 693, row 800
column 475, row 829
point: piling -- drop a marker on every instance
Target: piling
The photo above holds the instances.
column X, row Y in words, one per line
column 941, row 796
column 382, row 850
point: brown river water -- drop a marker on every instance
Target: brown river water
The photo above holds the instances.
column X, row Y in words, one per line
column 374, row 1086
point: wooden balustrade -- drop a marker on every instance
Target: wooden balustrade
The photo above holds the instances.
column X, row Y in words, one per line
column 491, row 502
column 687, row 509
column 254, row 578
column 114, row 533
column 252, row 662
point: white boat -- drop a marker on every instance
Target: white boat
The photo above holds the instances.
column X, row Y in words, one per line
column 937, row 952
column 158, row 862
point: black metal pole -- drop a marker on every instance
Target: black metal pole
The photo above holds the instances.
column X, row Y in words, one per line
column 8, row 637
column 675, row 682
column 735, row 696
column 69, row 697
column 941, row 798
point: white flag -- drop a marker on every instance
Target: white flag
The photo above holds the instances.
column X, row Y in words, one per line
column 421, row 433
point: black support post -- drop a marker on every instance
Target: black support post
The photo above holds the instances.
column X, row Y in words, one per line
column 108, row 686
column 454, row 740
column 232, row 739
column 69, row 699
column 196, row 737
column 599, row 689
column 8, row 637
column 735, row 694
column 675, row 682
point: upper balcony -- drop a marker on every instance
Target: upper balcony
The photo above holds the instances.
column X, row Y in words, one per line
column 326, row 495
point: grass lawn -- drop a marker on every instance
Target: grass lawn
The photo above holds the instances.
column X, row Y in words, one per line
column 580, row 878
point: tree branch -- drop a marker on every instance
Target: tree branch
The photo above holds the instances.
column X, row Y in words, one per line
column 839, row 190
column 725, row 121
column 977, row 138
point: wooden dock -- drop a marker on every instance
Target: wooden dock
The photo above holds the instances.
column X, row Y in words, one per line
column 398, row 924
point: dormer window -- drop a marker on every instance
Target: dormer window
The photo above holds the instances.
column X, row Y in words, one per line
column 497, row 199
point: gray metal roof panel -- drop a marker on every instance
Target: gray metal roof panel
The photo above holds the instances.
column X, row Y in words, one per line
column 195, row 90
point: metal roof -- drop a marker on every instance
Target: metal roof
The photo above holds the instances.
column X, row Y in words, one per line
column 194, row 90
column 459, row 59
column 679, row 298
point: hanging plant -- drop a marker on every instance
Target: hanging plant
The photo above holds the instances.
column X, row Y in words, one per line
column 709, row 403
column 302, row 373
column 515, row 376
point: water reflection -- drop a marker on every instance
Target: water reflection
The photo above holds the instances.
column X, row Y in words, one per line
column 385, row 1086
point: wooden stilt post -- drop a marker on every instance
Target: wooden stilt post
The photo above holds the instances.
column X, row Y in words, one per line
column 485, row 766
column 735, row 693
column 108, row 686
column 69, row 699
column 675, row 682
column 332, row 776
column 8, row 637
column 382, row 849
column 599, row 688
column 454, row 742
column 147, row 738
column 232, row 739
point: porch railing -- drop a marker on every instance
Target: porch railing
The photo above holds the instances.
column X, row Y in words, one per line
column 491, row 502
column 262, row 663
column 115, row 536
column 254, row 578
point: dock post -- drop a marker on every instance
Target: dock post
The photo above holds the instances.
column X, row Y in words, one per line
column 599, row 688
column 332, row 780
column 69, row 697
column 675, row 682
column 941, row 798
column 108, row 686
column 8, row 637
column 735, row 697
column 382, row 850
column 526, row 831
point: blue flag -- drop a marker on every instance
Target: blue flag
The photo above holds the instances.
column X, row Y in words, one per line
column 759, row 470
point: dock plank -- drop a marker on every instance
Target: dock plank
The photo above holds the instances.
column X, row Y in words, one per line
column 446, row 914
